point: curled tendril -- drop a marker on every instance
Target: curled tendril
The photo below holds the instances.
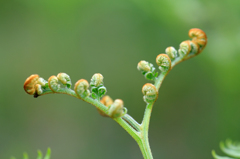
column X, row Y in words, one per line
column 29, row 84
column 150, row 93
column 198, row 36
column 53, row 83
column 65, row 79
column 116, row 109
column 96, row 80
column 171, row 52
column 81, row 88
column 164, row 62
column 107, row 101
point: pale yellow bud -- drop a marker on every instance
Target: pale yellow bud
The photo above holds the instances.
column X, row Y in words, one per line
column 143, row 66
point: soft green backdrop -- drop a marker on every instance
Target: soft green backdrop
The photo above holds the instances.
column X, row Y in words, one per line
column 198, row 104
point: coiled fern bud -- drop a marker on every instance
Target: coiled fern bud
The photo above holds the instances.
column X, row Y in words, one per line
column 147, row 69
column 97, row 87
column 53, row 83
column 199, row 37
column 171, row 52
column 150, row 93
column 81, row 88
column 164, row 62
column 29, row 84
column 65, row 79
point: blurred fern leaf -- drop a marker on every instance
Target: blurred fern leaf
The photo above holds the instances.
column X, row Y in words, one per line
column 40, row 156
column 230, row 148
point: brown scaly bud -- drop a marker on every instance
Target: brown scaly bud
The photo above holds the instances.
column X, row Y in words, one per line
column 199, row 37
column 107, row 101
column 29, row 84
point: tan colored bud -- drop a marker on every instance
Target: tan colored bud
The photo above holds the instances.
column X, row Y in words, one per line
column 107, row 101
column 199, row 37
column 29, row 84
column 81, row 88
column 96, row 80
column 150, row 93
column 164, row 62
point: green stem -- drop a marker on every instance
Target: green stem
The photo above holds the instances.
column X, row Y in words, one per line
column 144, row 145
column 135, row 135
column 132, row 122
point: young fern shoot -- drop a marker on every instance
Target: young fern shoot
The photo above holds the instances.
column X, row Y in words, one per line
column 37, row 86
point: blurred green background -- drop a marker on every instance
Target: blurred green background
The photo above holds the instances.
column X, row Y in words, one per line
column 198, row 104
